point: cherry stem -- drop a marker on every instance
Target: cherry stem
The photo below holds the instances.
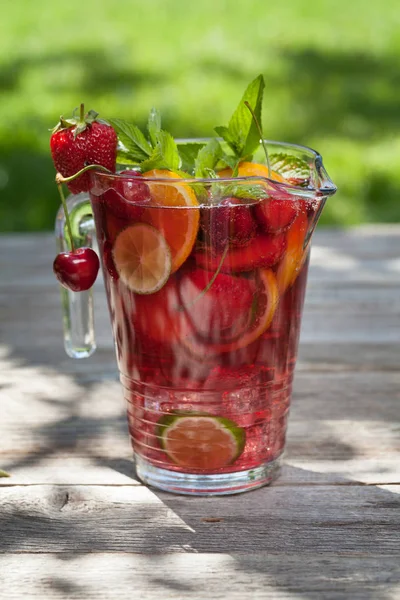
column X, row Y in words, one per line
column 253, row 114
column 67, row 219
column 61, row 179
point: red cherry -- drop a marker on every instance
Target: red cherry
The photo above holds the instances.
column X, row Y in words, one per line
column 77, row 271
column 230, row 220
column 276, row 213
column 125, row 198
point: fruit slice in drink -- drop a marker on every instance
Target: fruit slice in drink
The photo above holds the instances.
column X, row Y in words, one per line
column 197, row 441
column 260, row 316
column 295, row 254
column 178, row 225
column 261, row 252
column 142, row 258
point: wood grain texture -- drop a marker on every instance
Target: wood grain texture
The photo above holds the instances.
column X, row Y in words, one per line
column 286, row 519
column 259, row 576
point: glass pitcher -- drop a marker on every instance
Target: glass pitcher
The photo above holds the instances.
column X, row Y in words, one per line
column 205, row 282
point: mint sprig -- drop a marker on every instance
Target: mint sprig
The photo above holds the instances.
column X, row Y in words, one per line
column 164, row 155
column 133, row 145
column 242, row 134
column 207, row 159
column 188, row 152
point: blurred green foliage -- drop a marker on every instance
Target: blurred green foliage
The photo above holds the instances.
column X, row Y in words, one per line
column 331, row 69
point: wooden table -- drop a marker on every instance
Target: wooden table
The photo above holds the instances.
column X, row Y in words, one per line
column 76, row 523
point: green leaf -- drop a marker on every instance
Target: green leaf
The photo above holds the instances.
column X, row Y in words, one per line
column 293, row 169
column 125, row 158
column 207, row 158
column 188, row 152
column 154, row 125
column 4, row 474
column 245, row 191
column 132, row 139
column 227, row 135
column 242, row 134
column 227, row 161
column 164, row 155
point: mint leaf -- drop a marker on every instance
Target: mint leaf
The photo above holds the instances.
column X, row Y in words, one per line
column 125, row 158
column 188, row 152
column 242, row 134
column 207, row 158
column 228, row 136
column 164, row 155
column 227, row 161
column 245, row 191
column 134, row 144
column 293, row 169
column 154, row 125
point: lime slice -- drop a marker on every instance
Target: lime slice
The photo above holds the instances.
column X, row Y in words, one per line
column 200, row 441
column 142, row 258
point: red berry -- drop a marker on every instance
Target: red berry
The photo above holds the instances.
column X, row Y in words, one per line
column 224, row 307
column 124, row 200
column 262, row 252
column 230, row 221
column 77, row 271
column 75, row 144
column 276, row 213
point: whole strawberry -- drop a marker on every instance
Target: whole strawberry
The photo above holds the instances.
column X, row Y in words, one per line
column 81, row 141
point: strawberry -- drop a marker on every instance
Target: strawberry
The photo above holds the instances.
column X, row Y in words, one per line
column 277, row 213
column 82, row 141
column 223, row 308
column 262, row 252
column 231, row 220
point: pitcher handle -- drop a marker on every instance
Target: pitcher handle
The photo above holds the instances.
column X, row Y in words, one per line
column 77, row 307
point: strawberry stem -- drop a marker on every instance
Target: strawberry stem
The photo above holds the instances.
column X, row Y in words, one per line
column 67, row 219
column 253, row 114
column 82, row 113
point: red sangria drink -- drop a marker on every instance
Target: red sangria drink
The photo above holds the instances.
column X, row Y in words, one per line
column 205, row 271
column 205, row 293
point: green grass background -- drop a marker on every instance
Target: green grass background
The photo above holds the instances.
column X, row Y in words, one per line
column 332, row 82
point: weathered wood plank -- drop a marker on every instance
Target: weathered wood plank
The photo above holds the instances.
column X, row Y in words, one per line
column 204, row 576
column 284, row 519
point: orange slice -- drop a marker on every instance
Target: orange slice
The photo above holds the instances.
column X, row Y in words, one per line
column 200, row 441
column 295, row 254
column 249, row 169
column 177, row 219
column 264, row 306
column 142, row 258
